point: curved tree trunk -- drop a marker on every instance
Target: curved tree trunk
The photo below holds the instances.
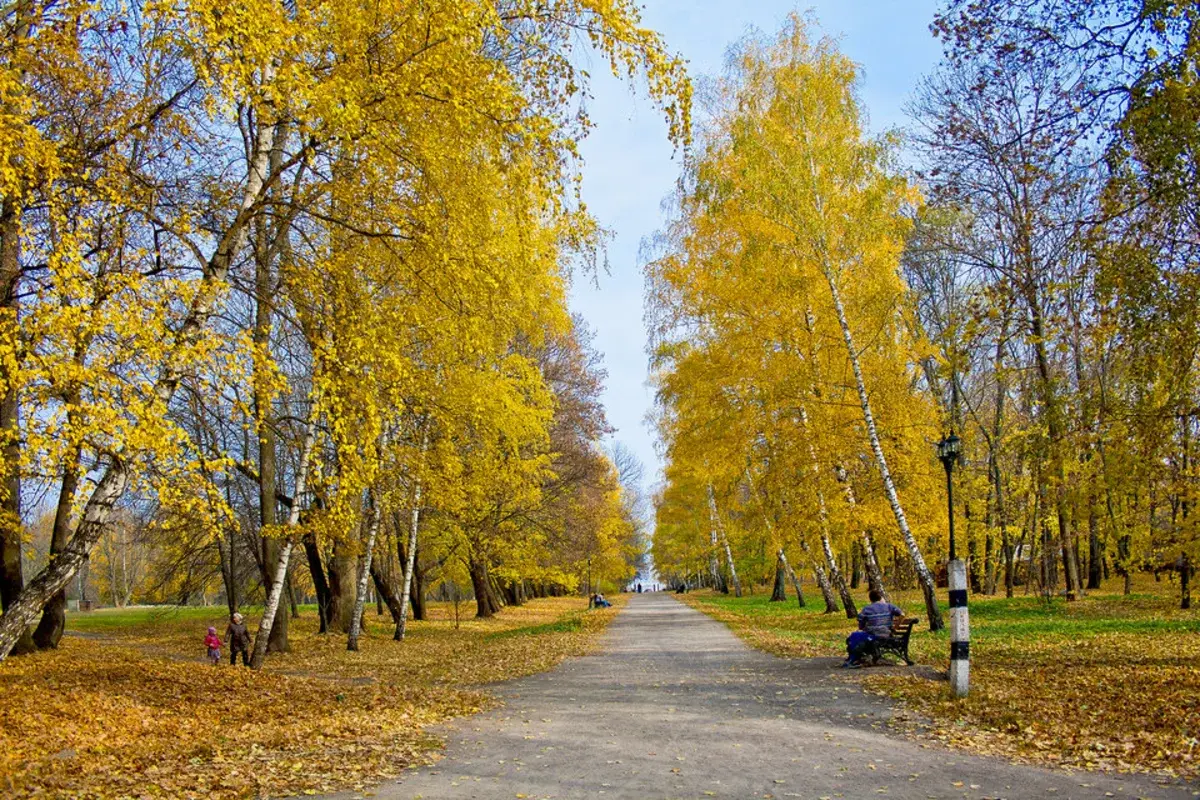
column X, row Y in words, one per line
column 54, row 616
column 924, row 576
column 836, row 577
column 385, row 591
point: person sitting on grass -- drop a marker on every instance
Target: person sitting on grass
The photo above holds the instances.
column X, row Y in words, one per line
column 874, row 622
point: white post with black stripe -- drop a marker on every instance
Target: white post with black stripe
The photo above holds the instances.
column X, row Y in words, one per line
column 960, row 630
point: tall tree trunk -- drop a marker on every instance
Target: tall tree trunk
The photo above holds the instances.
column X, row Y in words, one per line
column 364, row 578
column 414, row 523
column 341, row 587
column 385, row 591
column 1185, row 581
column 270, row 613
column 779, row 591
column 1095, row 552
column 714, row 568
column 54, row 616
column 831, row 605
column 870, row 562
column 420, row 585
column 485, row 602
column 924, row 576
column 226, row 574
column 320, row 584
column 795, row 580
column 264, row 298
column 1054, row 431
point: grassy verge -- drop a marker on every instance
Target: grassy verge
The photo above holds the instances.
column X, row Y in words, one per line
column 130, row 708
column 1107, row 682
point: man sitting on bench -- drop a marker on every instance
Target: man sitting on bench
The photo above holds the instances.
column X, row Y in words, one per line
column 874, row 622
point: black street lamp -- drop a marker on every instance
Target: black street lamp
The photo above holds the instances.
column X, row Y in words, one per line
column 949, row 451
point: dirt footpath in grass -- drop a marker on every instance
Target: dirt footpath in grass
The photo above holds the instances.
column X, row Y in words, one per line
column 677, row 707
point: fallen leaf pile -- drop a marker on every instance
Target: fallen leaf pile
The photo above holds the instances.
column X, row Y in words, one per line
column 1109, row 682
column 137, row 712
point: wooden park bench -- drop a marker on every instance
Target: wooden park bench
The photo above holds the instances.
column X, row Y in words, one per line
column 897, row 643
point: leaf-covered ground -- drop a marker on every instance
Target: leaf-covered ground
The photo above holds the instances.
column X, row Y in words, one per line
column 1108, row 682
column 127, row 707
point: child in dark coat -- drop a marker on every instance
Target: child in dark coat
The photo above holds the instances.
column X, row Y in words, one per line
column 239, row 640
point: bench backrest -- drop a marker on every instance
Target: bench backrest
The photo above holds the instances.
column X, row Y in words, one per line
column 902, row 628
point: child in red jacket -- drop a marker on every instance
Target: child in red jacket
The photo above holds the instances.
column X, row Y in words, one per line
column 213, row 643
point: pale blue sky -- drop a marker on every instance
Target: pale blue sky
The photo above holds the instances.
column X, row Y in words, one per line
column 629, row 169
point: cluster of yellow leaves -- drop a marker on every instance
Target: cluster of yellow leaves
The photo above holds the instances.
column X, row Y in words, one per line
column 136, row 710
column 1106, row 683
column 785, row 247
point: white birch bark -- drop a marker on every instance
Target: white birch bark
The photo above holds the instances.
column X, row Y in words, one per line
column 268, row 618
column 835, row 574
column 717, row 527
column 115, row 477
column 889, row 487
column 714, row 567
column 364, row 576
column 874, row 573
column 413, row 526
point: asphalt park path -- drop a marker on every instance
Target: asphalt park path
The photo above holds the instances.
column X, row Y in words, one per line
column 675, row 706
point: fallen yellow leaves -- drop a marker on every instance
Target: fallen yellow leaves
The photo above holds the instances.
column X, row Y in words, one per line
column 1109, row 682
column 137, row 713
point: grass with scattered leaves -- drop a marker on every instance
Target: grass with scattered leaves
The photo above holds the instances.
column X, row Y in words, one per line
column 1107, row 682
column 128, row 707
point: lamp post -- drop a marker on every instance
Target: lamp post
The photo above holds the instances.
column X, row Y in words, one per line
column 949, row 451
column 591, row 594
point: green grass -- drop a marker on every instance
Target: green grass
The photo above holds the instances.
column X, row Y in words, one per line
column 568, row 624
column 108, row 620
column 1053, row 682
column 994, row 620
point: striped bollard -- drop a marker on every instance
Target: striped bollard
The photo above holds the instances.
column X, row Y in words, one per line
column 960, row 630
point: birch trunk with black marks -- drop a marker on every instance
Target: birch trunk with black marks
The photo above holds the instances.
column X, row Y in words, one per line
column 364, row 577
column 263, row 637
column 924, row 576
column 114, row 475
column 831, row 605
column 874, row 573
column 719, row 528
column 835, row 574
column 414, row 523
column 714, row 567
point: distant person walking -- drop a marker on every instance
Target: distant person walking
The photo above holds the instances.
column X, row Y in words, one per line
column 213, row 643
column 239, row 640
